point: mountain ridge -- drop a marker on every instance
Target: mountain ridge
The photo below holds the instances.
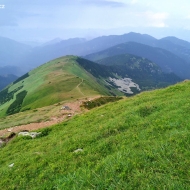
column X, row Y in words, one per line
column 34, row 57
column 165, row 59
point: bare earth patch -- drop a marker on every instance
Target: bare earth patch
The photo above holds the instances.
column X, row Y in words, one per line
column 63, row 114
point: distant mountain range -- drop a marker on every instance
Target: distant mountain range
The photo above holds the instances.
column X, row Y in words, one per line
column 170, row 53
column 7, row 79
column 12, row 52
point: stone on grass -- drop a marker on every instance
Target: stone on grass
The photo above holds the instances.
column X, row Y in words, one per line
column 78, row 150
column 11, row 165
column 65, row 108
column 31, row 134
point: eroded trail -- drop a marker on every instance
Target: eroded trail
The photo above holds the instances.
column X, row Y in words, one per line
column 65, row 114
column 79, row 88
column 74, row 109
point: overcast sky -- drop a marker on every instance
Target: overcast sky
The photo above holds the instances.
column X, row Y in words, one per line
column 43, row 20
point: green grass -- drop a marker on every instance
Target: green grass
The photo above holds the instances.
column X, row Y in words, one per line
column 140, row 142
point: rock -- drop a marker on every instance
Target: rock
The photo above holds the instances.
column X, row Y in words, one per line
column 31, row 134
column 11, row 165
column 10, row 129
column 78, row 150
column 34, row 134
column 65, row 108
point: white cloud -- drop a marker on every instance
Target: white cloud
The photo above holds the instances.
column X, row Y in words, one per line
column 156, row 19
column 108, row 3
column 134, row 1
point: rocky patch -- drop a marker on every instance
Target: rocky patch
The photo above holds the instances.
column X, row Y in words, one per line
column 125, row 84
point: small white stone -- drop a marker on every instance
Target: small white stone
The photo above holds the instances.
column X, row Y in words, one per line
column 11, row 165
column 78, row 150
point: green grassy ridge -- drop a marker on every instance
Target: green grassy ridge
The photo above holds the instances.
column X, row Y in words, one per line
column 58, row 80
column 140, row 142
column 76, row 69
column 100, row 73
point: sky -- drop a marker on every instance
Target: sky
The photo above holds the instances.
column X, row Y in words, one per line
column 44, row 20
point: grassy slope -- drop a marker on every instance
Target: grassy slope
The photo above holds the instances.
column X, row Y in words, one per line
column 58, row 80
column 137, row 143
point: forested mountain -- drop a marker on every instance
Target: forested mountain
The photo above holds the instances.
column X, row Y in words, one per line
column 143, row 71
column 164, row 59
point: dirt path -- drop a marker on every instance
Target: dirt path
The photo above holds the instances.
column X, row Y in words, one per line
column 65, row 114
column 79, row 88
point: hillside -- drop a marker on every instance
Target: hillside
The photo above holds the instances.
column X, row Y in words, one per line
column 141, row 142
column 143, row 71
column 176, row 46
column 70, row 77
column 130, row 74
column 166, row 60
column 55, row 81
